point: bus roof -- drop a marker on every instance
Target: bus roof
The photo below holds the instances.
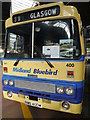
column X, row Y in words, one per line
column 43, row 12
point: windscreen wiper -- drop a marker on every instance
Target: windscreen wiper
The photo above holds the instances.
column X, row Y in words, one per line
column 17, row 61
column 43, row 56
column 49, row 63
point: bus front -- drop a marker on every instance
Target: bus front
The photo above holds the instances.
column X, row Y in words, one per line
column 44, row 58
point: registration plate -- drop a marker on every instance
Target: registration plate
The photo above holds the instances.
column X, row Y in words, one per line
column 33, row 104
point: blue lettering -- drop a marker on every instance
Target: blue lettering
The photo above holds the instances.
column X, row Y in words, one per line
column 29, row 71
column 14, row 69
column 47, row 72
column 21, row 70
column 36, row 71
column 55, row 73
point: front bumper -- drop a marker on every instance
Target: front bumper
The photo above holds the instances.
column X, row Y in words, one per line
column 45, row 103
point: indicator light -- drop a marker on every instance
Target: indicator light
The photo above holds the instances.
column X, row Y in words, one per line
column 70, row 74
column 5, row 69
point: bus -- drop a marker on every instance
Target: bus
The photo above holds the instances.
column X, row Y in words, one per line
column 44, row 61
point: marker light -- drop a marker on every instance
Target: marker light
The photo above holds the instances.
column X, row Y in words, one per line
column 9, row 94
column 70, row 73
column 11, row 82
column 5, row 69
column 60, row 89
column 69, row 91
column 65, row 105
column 5, row 82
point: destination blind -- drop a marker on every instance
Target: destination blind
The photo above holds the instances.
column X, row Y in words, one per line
column 36, row 14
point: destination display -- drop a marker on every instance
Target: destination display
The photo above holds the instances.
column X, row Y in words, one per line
column 36, row 14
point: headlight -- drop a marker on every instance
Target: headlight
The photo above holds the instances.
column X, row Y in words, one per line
column 65, row 105
column 5, row 82
column 11, row 82
column 60, row 89
column 69, row 91
column 9, row 94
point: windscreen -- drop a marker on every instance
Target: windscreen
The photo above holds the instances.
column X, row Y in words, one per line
column 54, row 39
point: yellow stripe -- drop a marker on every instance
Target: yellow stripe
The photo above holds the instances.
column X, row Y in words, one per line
column 26, row 111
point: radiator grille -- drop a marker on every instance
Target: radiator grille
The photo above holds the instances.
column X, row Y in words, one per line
column 38, row 86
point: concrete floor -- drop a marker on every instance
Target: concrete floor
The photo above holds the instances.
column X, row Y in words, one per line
column 12, row 109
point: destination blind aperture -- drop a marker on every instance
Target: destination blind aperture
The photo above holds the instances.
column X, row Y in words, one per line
column 35, row 14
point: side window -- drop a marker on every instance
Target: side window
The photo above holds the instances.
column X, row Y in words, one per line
column 76, row 39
